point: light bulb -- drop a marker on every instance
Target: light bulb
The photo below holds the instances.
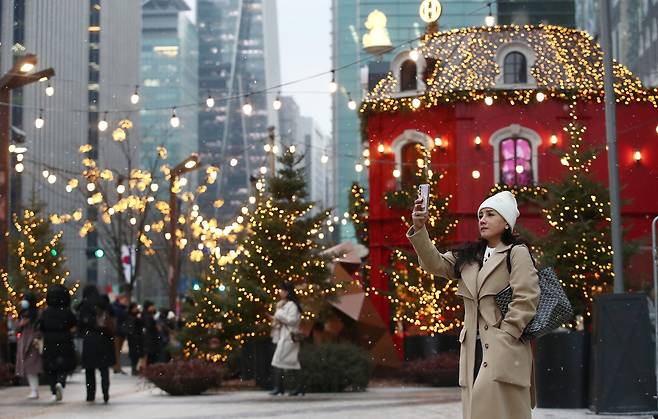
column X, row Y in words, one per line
column 333, row 86
column 416, row 103
column 263, row 170
column 478, row 140
column 293, row 148
column 414, row 54
column 45, row 173
column 358, row 168
column 133, row 221
column 637, row 156
column 154, row 187
column 324, row 159
column 234, row 162
column 519, row 169
column 175, row 120
column 134, row 99
column 540, row 96
column 396, row 173
column 267, row 148
column 39, row 122
column 553, row 139
column 121, row 189
column 20, row 167
column 490, row 20
column 366, row 153
column 476, row 174
column 52, row 179
column 91, row 187
column 247, row 109
column 210, row 102
column 488, row 101
column 19, row 157
column 102, row 125
column 50, row 90
column 276, row 104
column 380, row 148
column 350, row 102
column 438, row 142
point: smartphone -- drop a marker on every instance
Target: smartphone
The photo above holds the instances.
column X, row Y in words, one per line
column 424, row 194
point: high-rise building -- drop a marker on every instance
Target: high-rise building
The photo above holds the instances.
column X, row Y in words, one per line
column 169, row 76
column 404, row 25
column 535, row 12
column 316, row 160
column 238, row 60
column 93, row 45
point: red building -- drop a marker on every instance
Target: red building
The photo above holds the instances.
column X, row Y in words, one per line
column 491, row 104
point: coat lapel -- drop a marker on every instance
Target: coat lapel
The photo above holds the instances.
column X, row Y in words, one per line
column 498, row 256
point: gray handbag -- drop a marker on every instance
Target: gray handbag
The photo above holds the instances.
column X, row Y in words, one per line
column 553, row 310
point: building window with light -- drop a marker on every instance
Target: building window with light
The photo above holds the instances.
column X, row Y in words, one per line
column 412, row 160
column 515, row 68
column 516, row 162
column 408, row 76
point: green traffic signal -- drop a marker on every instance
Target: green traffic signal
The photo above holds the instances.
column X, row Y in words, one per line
column 99, row 253
column 53, row 252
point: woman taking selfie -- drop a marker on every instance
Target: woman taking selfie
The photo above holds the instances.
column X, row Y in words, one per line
column 496, row 366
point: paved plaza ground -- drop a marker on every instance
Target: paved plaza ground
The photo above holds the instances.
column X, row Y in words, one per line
column 132, row 398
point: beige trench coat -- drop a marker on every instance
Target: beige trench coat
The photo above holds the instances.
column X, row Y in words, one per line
column 505, row 384
column 286, row 354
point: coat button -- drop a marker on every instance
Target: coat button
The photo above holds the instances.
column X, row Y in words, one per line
column 486, row 346
column 484, row 364
column 486, row 327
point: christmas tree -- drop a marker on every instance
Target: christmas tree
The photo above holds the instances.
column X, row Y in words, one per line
column 35, row 260
column 577, row 209
column 423, row 302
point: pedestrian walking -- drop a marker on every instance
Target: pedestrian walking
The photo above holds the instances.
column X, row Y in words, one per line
column 29, row 344
column 98, row 327
column 496, row 366
column 120, row 310
column 151, row 333
column 285, row 326
column 133, row 329
column 57, row 324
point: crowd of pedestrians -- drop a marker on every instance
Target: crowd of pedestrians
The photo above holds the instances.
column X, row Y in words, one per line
column 46, row 338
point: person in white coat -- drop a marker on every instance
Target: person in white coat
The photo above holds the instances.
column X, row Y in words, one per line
column 285, row 323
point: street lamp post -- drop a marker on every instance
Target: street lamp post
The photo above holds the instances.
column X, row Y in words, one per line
column 20, row 75
column 189, row 164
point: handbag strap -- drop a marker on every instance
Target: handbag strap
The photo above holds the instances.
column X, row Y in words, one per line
column 509, row 257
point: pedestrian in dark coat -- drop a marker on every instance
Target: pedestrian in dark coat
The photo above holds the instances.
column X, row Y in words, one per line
column 28, row 357
column 120, row 309
column 97, row 327
column 57, row 324
column 133, row 328
column 151, row 333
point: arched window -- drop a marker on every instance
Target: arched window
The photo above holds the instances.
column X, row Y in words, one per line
column 412, row 160
column 516, row 162
column 515, row 68
column 408, row 76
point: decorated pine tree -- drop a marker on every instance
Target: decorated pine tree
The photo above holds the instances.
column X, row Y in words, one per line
column 282, row 244
column 214, row 321
column 577, row 210
column 36, row 260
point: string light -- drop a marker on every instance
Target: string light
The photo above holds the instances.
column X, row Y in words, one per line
column 39, row 122
column 358, row 167
column 277, row 103
column 134, row 98
column 488, row 100
column 415, row 102
column 414, row 54
column 102, row 124
column 52, row 179
column 350, row 102
column 247, row 108
column 20, row 167
column 540, row 96
column 50, row 90
column 324, row 159
column 333, row 86
column 175, row 120
column 210, row 102
column 234, row 162
column 489, row 20
column 292, row 149
column 121, row 189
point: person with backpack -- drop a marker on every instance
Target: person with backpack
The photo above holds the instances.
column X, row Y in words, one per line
column 28, row 346
column 496, row 373
column 57, row 324
column 97, row 327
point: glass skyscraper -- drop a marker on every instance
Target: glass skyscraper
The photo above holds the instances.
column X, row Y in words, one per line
column 238, row 59
column 403, row 24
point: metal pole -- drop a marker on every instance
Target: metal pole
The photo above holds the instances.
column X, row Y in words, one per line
column 611, row 134
column 5, row 172
column 654, row 253
column 173, row 257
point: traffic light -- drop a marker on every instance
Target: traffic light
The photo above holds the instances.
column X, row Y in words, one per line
column 53, row 252
column 99, row 253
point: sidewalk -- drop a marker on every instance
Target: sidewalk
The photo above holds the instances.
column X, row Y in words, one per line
column 130, row 397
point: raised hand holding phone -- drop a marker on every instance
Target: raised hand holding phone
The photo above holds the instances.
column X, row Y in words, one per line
column 419, row 214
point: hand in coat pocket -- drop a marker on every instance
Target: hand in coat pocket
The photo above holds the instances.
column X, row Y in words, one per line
column 509, row 358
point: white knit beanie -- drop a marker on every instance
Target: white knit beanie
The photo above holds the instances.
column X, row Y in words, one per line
column 505, row 203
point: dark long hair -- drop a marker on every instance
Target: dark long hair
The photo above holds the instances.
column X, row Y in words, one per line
column 288, row 286
column 473, row 252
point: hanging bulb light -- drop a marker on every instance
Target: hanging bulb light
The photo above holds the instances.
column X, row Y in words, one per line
column 292, row 148
column 553, row 140
column 102, row 124
column 134, row 99
column 350, row 102
column 121, row 189
column 175, row 120
column 540, row 96
column 380, row 147
column 414, row 54
column 488, row 101
column 247, row 108
column 333, row 86
column 489, row 20
column 416, row 103
column 234, row 162
column 52, row 179
column 324, row 158
column 358, row 167
column 39, row 121
column 20, row 167
column 277, row 103
column 50, row 90
column 210, row 102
